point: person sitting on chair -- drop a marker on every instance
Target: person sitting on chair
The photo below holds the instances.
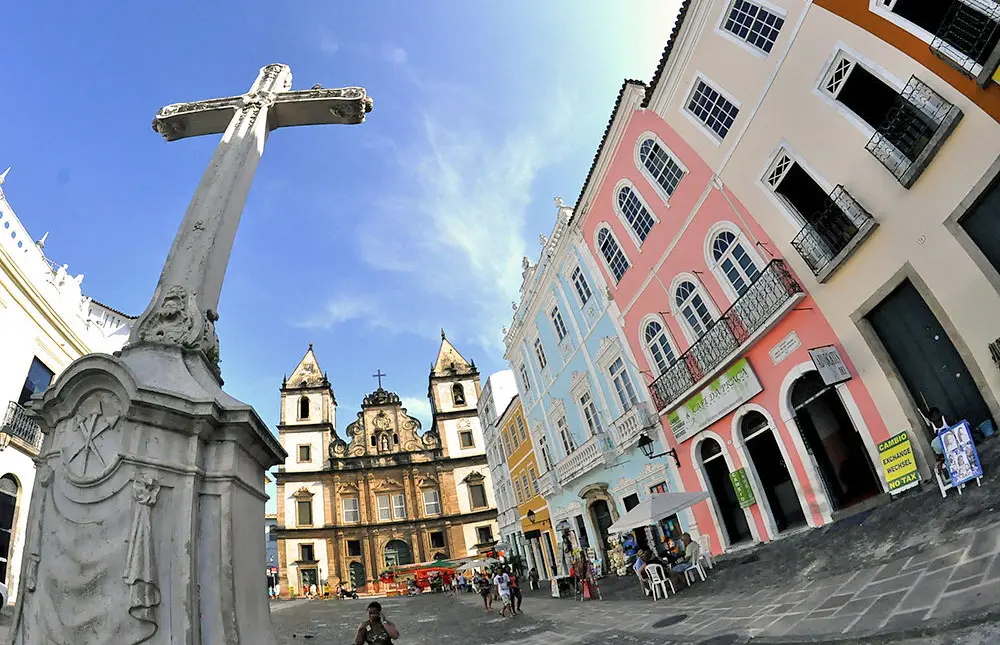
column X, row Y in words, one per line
column 692, row 551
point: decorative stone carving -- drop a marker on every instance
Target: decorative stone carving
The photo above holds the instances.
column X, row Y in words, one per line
column 174, row 319
column 140, row 568
column 380, row 397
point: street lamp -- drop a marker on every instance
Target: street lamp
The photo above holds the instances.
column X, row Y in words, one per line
column 531, row 516
column 646, row 446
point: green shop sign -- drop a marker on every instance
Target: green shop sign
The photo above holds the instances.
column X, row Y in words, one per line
column 741, row 484
column 731, row 389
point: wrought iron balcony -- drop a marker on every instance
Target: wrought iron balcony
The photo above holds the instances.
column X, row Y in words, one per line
column 968, row 38
column 629, row 426
column 913, row 131
column 834, row 233
column 18, row 424
column 765, row 297
column 583, row 459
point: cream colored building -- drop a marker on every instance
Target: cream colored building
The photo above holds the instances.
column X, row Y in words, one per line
column 47, row 323
column 876, row 178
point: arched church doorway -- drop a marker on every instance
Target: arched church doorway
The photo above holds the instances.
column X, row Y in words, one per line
column 358, row 578
column 829, row 434
column 772, row 471
column 398, row 554
column 8, row 508
column 600, row 515
column 720, row 486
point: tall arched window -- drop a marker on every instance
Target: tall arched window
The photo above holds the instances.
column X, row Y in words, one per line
column 613, row 254
column 8, row 509
column 303, row 407
column 735, row 262
column 692, row 307
column 659, row 346
column 635, row 213
column 661, row 166
column 458, row 394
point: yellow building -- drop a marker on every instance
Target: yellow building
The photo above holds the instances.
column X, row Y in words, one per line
column 537, row 539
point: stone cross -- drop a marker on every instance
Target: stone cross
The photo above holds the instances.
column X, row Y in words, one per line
column 182, row 311
column 378, row 374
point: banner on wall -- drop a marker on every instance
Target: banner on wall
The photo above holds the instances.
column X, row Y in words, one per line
column 731, row 389
column 898, row 463
column 741, row 484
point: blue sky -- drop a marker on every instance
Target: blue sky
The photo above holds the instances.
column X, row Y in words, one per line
column 365, row 240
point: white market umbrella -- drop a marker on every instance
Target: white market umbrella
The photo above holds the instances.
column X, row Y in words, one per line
column 472, row 564
column 654, row 509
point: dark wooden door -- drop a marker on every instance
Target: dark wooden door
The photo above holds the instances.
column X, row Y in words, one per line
column 982, row 223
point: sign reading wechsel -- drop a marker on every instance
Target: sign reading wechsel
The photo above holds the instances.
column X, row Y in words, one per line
column 731, row 389
column 898, row 463
column 830, row 365
column 741, row 484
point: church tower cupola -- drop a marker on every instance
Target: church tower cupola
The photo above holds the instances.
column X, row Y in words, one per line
column 453, row 390
column 308, row 415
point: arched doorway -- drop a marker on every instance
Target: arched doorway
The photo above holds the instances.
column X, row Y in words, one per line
column 772, row 471
column 829, row 434
column 398, row 554
column 716, row 469
column 600, row 515
column 8, row 508
column 357, row 572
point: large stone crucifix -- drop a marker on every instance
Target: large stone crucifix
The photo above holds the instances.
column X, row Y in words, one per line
column 183, row 309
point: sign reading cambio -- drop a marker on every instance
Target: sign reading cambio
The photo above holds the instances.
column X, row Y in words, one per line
column 734, row 387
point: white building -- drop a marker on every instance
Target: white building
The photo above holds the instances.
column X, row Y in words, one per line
column 47, row 323
column 499, row 391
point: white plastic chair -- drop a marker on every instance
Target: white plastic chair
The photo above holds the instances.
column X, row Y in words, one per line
column 658, row 582
column 705, row 543
column 694, row 553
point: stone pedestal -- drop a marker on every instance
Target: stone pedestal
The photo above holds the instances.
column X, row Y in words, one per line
column 147, row 519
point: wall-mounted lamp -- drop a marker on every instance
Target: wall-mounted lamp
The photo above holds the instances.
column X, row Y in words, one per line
column 646, row 446
column 531, row 516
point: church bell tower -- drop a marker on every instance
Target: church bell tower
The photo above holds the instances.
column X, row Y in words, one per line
column 454, row 391
column 308, row 416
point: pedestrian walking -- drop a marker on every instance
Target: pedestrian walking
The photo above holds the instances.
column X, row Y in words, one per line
column 502, row 582
column 533, row 578
column 485, row 590
column 378, row 629
column 313, row 592
column 515, row 591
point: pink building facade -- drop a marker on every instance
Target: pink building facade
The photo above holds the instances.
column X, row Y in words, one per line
column 721, row 327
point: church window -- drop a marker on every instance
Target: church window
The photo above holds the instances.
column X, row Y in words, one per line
column 590, row 413
column 458, row 394
column 484, row 534
column 432, row 504
column 352, row 509
column 518, row 494
column 398, row 507
column 623, row 384
column 466, row 438
column 303, row 407
column 581, row 286
column 384, row 509
column 525, row 381
column 612, row 253
column 478, row 494
column 307, row 553
column 305, row 453
column 568, row 443
column 521, row 430
column 557, row 322
column 437, row 539
column 374, row 441
column 395, row 438
column 304, row 512
column 540, row 354
column 354, row 548
column 534, row 480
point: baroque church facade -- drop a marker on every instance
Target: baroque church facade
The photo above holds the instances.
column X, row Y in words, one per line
column 380, row 492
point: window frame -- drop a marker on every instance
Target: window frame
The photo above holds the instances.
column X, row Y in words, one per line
column 689, row 332
column 665, row 331
column 558, row 324
column 489, row 534
column 775, row 10
column 648, row 175
column 578, row 272
column 699, row 77
column 588, row 411
column 626, row 383
column 604, row 226
column 522, row 430
column 525, row 378
column 540, row 356
column 302, row 552
column 401, row 498
column 715, row 266
column 387, row 508
column 430, row 540
column 457, row 389
column 298, row 408
column 472, row 498
column 518, row 491
column 533, row 478
column 344, row 510
column 299, row 505
column 543, row 447
column 626, row 184
column 770, row 187
column 437, row 501
column 298, row 453
column 461, row 439
column 842, row 52
column 348, row 547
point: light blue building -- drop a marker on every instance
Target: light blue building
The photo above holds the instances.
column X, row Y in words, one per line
column 584, row 397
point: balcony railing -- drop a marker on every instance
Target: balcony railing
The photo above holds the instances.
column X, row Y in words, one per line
column 968, row 38
column 583, row 459
column 629, row 425
column 548, row 484
column 834, row 233
column 17, row 423
column 913, row 131
column 774, row 287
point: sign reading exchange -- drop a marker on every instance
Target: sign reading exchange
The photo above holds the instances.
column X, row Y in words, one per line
column 898, row 463
column 731, row 389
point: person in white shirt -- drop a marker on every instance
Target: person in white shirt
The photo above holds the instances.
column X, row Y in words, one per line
column 502, row 582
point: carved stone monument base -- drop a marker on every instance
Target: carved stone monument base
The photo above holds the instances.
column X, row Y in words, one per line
column 146, row 522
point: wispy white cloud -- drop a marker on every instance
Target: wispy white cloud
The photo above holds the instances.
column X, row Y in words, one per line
column 418, row 407
column 328, row 43
column 394, row 55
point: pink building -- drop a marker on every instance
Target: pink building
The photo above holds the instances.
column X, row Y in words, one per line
column 722, row 328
